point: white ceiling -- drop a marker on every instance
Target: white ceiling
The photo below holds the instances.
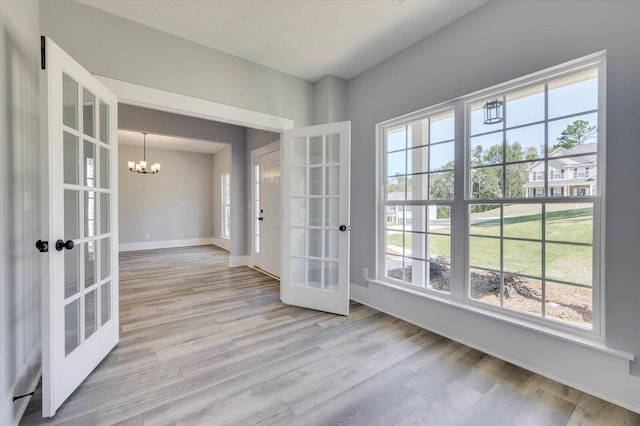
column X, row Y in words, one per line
column 305, row 38
column 127, row 137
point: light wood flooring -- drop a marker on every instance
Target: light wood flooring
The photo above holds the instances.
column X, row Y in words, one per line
column 202, row 343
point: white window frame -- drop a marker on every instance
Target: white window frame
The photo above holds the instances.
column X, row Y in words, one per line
column 460, row 246
column 225, row 203
column 382, row 204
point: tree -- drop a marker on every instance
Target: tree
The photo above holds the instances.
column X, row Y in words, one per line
column 398, row 183
column 576, row 133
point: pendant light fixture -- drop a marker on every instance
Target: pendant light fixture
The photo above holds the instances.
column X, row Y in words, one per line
column 141, row 167
column 493, row 112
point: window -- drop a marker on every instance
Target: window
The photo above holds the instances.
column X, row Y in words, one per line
column 529, row 249
column 226, row 205
column 418, row 195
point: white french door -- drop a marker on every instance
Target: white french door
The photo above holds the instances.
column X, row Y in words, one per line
column 80, row 293
column 268, row 224
column 315, row 210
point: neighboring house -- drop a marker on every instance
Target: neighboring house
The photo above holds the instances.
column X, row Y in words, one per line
column 573, row 173
column 396, row 214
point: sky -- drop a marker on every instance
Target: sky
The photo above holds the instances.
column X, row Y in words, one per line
column 566, row 97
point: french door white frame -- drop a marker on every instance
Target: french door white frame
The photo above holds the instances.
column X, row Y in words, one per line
column 254, row 258
column 62, row 372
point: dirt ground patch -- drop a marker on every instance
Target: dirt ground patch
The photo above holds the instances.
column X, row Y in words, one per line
column 563, row 302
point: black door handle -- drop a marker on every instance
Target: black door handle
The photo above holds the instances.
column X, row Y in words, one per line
column 42, row 246
column 343, row 228
column 64, row 245
column 260, row 218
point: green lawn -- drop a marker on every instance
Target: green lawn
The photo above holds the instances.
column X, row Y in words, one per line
column 565, row 223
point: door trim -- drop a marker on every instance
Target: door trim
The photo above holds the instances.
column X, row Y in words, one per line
column 255, row 155
column 163, row 100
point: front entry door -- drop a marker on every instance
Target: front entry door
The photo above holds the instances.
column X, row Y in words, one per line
column 269, row 213
column 315, row 255
column 80, row 293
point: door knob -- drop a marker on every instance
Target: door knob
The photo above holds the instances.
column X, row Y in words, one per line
column 342, row 228
column 64, row 245
column 42, row 246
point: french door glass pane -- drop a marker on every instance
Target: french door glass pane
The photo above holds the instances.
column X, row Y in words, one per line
column 90, row 313
column 298, row 212
column 105, row 258
column 333, row 149
column 332, row 180
column 90, row 263
column 71, row 272
column 105, row 208
column 315, row 181
column 71, row 326
column 104, row 122
column 105, row 302
column 331, row 212
column 314, row 273
column 70, row 158
column 331, row 276
column 89, row 164
column 88, row 107
column 298, row 271
column 299, row 242
column 89, row 214
column 298, row 181
column 71, row 214
column 315, row 242
column 299, row 157
column 104, row 168
column 69, row 102
column 315, row 150
column 315, row 211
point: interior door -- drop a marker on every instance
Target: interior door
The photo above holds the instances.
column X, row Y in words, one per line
column 315, row 210
column 80, row 293
column 269, row 218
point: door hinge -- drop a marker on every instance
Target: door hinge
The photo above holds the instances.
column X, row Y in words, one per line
column 43, row 53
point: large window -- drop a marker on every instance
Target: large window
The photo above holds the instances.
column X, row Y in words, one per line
column 526, row 239
column 418, row 195
column 225, row 182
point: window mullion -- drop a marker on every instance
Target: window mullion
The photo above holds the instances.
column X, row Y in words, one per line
column 459, row 227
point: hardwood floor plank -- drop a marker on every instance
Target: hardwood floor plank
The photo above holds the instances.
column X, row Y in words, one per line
column 202, row 343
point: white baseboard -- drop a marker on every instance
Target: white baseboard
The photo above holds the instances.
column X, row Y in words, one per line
column 223, row 243
column 151, row 245
column 238, row 261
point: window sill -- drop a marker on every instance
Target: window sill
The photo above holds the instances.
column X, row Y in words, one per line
column 591, row 342
column 224, row 238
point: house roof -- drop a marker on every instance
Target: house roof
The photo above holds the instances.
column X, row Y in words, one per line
column 562, row 182
column 581, row 155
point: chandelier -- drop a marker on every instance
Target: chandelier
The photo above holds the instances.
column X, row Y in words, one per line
column 141, row 167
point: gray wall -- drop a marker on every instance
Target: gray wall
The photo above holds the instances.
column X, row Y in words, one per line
column 21, row 208
column 221, row 164
column 330, row 100
column 175, row 204
column 118, row 48
column 142, row 119
column 498, row 42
